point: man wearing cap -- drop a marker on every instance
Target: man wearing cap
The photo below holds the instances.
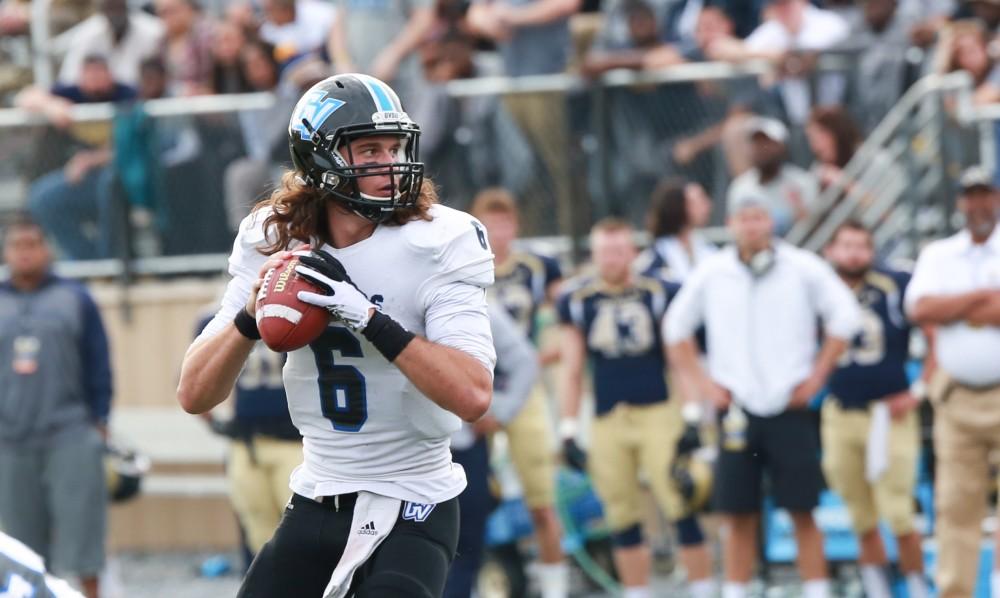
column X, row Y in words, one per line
column 760, row 301
column 788, row 190
column 956, row 288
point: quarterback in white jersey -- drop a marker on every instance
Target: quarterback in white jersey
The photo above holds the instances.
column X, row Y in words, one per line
column 407, row 356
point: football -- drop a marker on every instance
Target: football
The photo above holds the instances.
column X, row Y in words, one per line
column 285, row 322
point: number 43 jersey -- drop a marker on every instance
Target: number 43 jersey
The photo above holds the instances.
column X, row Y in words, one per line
column 874, row 364
column 364, row 425
column 621, row 328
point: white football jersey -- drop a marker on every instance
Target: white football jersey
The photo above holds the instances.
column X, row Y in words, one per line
column 364, row 425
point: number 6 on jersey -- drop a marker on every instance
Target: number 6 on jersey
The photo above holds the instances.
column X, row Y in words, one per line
column 342, row 394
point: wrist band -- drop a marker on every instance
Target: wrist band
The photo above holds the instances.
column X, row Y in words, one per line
column 247, row 325
column 387, row 335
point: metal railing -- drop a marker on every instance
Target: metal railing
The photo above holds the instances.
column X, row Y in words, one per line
column 900, row 181
column 600, row 161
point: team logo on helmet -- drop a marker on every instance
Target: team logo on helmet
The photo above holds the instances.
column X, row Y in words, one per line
column 314, row 108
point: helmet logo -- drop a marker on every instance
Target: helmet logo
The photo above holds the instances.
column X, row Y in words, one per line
column 314, row 108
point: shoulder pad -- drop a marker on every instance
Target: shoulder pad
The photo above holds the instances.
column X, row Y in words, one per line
column 457, row 242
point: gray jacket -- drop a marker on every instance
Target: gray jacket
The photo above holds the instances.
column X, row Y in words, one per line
column 55, row 369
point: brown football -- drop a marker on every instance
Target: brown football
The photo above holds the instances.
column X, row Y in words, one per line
column 285, row 322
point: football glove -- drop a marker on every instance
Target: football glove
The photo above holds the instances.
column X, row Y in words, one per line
column 342, row 299
column 574, row 456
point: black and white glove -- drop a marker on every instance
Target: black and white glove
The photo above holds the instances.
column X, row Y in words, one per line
column 343, row 299
column 347, row 304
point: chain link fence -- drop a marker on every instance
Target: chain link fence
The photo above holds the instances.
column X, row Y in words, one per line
column 177, row 175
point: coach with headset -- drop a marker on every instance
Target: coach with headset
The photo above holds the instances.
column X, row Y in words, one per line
column 760, row 301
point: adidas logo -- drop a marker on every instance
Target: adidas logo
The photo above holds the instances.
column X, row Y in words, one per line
column 368, row 529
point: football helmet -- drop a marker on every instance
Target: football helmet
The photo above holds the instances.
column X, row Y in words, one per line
column 123, row 472
column 331, row 115
column 692, row 474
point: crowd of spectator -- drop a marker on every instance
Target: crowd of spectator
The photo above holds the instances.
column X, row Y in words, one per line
column 788, row 134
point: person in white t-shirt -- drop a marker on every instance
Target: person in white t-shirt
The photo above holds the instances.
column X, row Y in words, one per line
column 760, row 301
column 296, row 27
column 125, row 38
column 793, row 30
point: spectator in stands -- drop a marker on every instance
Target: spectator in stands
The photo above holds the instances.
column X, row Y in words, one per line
column 187, row 50
column 955, row 289
column 55, row 398
column 296, row 27
column 676, row 212
column 533, row 38
column 791, row 36
column 880, row 35
column 642, row 40
column 735, row 100
column 126, row 37
column 833, row 138
column 381, row 39
column 788, row 190
column 265, row 131
column 67, row 200
column 227, row 73
column 964, row 46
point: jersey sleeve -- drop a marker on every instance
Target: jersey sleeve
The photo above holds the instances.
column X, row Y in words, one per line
column 456, row 317
column 244, row 264
column 458, row 246
column 518, row 359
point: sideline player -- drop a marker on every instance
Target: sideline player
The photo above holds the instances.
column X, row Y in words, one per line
column 614, row 320
column 407, row 356
column 524, row 282
column 870, row 408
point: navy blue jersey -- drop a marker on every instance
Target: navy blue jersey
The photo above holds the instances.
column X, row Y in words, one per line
column 622, row 332
column 874, row 364
column 520, row 286
column 261, row 405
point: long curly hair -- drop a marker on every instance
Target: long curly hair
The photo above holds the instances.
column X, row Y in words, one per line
column 298, row 212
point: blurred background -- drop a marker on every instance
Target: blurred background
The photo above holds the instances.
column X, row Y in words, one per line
column 140, row 133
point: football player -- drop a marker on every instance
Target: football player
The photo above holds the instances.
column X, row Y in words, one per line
column 613, row 319
column 871, row 378
column 524, row 282
column 408, row 354
column 265, row 446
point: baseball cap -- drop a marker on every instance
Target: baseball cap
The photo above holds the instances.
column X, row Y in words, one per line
column 771, row 127
column 747, row 199
column 975, row 177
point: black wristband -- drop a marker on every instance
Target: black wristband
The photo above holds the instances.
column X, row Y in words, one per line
column 247, row 325
column 387, row 335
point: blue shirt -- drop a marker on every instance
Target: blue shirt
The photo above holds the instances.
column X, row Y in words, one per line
column 621, row 328
column 73, row 93
column 874, row 364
